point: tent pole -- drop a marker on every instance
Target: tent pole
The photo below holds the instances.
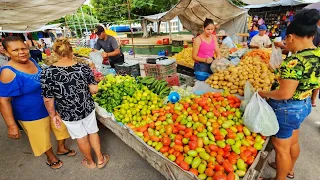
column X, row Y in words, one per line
column 170, row 34
column 129, row 14
column 74, row 25
column 84, row 21
column 79, row 24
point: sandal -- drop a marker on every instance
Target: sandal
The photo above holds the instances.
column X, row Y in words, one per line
column 69, row 153
column 274, row 166
column 53, row 165
column 105, row 161
column 89, row 166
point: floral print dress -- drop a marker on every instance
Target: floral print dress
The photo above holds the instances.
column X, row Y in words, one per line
column 304, row 66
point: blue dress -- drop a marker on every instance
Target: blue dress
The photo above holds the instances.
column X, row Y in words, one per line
column 25, row 91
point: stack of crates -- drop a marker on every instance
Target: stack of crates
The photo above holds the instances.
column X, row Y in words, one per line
column 163, row 72
column 177, row 46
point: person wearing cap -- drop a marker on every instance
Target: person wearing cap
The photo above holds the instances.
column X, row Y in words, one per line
column 110, row 46
column 225, row 39
column 261, row 40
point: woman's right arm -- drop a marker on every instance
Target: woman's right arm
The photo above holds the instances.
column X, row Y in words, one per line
column 195, row 50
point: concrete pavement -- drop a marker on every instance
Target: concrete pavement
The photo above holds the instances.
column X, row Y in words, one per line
column 18, row 162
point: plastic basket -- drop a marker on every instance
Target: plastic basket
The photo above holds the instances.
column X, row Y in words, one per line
column 173, row 80
column 128, row 69
column 176, row 49
column 176, row 43
column 185, row 70
column 160, row 71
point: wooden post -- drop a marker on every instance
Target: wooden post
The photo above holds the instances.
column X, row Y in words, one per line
column 129, row 14
column 170, row 34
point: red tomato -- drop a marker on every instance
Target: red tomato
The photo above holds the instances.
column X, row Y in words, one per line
column 194, row 171
column 227, row 148
column 217, row 94
column 184, row 165
column 209, row 172
column 178, row 142
column 219, row 137
column 225, row 114
column 220, row 99
column 178, row 148
column 186, row 105
column 232, row 159
column 176, row 153
column 216, row 131
column 250, row 160
column 232, row 135
column 181, row 127
column 247, row 152
column 171, row 151
column 164, row 149
column 194, row 106
column 220, row 152
column 227, row 166
column 213, row 154
column 252, row 150
column 188, row 134
column 213, row 147
column 231, row 176
column 179, row 159
column 193, row 145
column 179, row 136
column 244, row 157
column 166, row 141
column 174, row 117
column 240, row 128
column 243, row 148
column 226, row 154
column 218, row 167
column 193, row 138
column 210, row 165
column 216, row 113
column 175, row 130
column 219, row 159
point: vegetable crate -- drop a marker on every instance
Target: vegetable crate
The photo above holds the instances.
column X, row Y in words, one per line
column 185, row 70
column 173, row 80
column 160, row 71
column 176, row 49
column 177, row 43
column 128, row 69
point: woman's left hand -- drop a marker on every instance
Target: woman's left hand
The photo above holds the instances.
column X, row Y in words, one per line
column 57, row 121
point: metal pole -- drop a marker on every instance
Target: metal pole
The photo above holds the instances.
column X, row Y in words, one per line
column 93, row 25
column 84, row 21
column 74, row 25
column 129, row 14
column 79, row 24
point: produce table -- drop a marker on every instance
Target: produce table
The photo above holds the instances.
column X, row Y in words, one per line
column 166, row 167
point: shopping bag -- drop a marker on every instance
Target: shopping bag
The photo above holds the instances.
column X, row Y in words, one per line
column 259, row 117
column 97, row 58
column 219, row 64
column 276, row 57
column 248, row 93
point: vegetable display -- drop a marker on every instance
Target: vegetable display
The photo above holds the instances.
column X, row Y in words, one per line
column 203, row 135
column 234, row 78
column 258, row 55
column 83, row 51
column 159, row 87
column 185, row 57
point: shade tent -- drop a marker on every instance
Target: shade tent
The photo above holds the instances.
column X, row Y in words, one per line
column 258, row 1
column 155, row 17
column 314, row 6
column 282, row 3
column 26, row 15
column 43, row 28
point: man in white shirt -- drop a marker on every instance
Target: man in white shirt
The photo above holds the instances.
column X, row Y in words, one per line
column 261, row 40
column 225, row 39
column 3, row 58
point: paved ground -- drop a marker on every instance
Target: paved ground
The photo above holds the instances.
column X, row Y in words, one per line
column 18, row 162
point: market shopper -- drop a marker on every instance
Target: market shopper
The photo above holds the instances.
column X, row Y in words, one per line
column 109, row 44
column 69, row 86
column 205, row 46
column 261, row 40
column 316, row 42
column 21, row 100
column 93, row 39
column 34, row 47
column 290, row 99
column 225, row 39
column 3, row 58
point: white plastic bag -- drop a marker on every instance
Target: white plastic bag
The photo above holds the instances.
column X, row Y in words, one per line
column 97, row 59
column 248, row 93
column 276, row 57
column 259, row 117
column 220, row 64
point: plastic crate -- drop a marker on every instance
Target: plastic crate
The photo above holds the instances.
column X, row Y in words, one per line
column 176, row 49
column 128, row 69
column 173, row 80
column 185, row 70
column 176, row 43
column 160, row 71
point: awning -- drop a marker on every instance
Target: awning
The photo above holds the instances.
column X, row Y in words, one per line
column 155, row 17
column 259, row 1
column 30, row 15
column 282, row 3
column 314, row 6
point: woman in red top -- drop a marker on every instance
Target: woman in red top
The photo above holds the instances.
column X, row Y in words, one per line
column 204, row 48
column 93, row 39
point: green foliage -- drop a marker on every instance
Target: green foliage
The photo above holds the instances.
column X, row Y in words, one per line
column 117, row 10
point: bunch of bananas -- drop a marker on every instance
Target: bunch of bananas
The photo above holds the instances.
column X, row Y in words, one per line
column 184, row 57
column 159, row 87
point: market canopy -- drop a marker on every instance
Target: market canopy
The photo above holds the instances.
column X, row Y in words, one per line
column 283, row 3
column 26, row 15
column 258, row 2
column 192, row 14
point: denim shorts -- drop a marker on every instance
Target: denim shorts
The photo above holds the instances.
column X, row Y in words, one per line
column 202, row 67
column 290, row 114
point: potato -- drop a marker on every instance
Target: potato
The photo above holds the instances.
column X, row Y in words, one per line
column 216, row 86
column 215, row 82
column 234, row 91
column 229, row 84
column 215, row 78
column 234, row 87
column 224, row 83
column 221, row 78
column 225, row 88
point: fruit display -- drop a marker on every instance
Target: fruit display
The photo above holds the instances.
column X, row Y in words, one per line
column 159, row 87
column 137, row 109
column 234, row 78
column 83, row 51
column 112, row 89
column 258, row 55
column 202, row 134
column 184, row 57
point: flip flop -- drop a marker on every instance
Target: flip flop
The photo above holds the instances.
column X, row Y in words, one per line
column 55, row 163
column 89, row 166
column 69, row 153
column 314, row 105
column 273, row 165
column 105, row 161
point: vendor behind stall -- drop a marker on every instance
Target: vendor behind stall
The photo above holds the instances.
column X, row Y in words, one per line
column 261, row 40
column 204, row 47
column 110, row 46
column 225, row 39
